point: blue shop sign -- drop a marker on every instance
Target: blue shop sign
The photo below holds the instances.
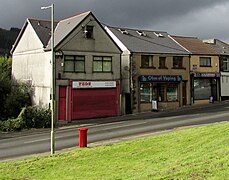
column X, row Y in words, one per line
column 161, row 78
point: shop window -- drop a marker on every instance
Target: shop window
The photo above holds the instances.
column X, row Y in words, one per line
column 172, row 94
column 168, row 92
column 145, row 92
column 146, row 61
column 224, row 64
column 162, row 63
column 74, row 63
column 158, row 91
column 177, row 61
column 205, row 62
column 202, row 89
column 102, row 64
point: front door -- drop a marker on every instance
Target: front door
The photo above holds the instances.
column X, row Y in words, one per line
column 184, row 93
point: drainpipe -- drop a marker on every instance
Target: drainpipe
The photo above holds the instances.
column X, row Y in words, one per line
column 120, row 88
column 131, row 81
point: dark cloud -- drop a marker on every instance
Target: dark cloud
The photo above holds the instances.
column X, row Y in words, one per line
column 186, row 17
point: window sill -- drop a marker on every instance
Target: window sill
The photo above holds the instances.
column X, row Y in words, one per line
column 75, row 72
column 110, row 72
column 163, row 68
column 148, row 67
column 179, row 68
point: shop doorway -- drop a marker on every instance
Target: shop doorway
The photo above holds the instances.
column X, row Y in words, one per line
column 128, row 103
column 184, row 93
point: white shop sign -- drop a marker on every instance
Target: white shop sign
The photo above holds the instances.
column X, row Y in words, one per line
column 93, row 84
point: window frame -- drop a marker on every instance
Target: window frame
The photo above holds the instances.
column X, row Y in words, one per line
column 148, row 59
column 164, row 64
column 205, row 64
column 179, row 63
column 162, row 92
column 89, row 30
column 74, row 61
column 224, row 64
column 103, row 62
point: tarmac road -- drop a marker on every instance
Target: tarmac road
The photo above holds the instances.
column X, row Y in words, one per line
column 107, row 129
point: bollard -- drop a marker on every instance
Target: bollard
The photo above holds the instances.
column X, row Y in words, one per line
column 82, row 137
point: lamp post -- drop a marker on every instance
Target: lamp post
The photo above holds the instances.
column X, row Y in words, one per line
column 53, row 84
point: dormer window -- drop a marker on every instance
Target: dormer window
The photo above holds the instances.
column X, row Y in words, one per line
column 158, row 34
column 89, row 32
column 141, row 33
column 123, row 31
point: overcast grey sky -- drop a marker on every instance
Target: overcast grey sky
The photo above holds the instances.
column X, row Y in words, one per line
column 201, row 18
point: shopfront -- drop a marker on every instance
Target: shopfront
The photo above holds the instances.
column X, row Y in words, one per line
column 165, row 89
column 89, row 99
column 204, row 86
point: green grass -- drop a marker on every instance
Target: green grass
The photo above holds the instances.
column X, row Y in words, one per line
column 196, row 153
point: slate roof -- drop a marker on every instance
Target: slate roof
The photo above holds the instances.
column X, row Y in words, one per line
column 195, row 45
column 219, row 46
column 42, row 29
column 150, row 43
column 66, row 26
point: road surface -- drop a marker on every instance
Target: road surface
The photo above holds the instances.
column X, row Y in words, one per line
column 38, row 141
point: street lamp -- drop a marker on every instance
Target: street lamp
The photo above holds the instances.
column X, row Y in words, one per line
column 53, row 85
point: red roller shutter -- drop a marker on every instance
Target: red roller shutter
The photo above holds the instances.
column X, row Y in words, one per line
column 92, row 103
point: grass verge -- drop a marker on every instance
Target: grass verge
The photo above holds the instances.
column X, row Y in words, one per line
column 196, row 153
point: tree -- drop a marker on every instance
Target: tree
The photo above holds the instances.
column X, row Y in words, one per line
column 5, row 83
column 13, row 96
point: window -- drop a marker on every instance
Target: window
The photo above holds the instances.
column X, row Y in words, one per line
column 74, row 63
column 141, row 33
column 123, row 31
column 177, row 62
column 158, row 91
column 224, row 64
column 146, row 61
column 205, row 62
column 102, row 64
column 145, row 92
column 89, row 32
column 172, row 92
column 162, row 62
column 202, row 89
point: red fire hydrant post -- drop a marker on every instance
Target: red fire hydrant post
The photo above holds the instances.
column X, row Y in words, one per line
column 82, row 137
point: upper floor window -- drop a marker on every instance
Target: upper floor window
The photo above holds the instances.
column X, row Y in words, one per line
column 74, row 63
column 205, row 62
column 89, row 32
column 102, row 64
column 177, row 61
column 224, row 64
column 162, row 62
column 146, row 61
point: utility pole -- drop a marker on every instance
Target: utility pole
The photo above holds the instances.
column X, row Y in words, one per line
column 53, row 81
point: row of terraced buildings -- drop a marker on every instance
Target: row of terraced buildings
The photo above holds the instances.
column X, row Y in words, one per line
column 106, row 71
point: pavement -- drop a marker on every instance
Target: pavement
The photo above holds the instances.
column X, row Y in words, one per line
column 143, row 115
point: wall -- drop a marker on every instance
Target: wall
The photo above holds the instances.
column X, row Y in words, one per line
column 224, row 84
column 156, row 71
column 31, row 64
column 195, row 59
column 100, row 45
